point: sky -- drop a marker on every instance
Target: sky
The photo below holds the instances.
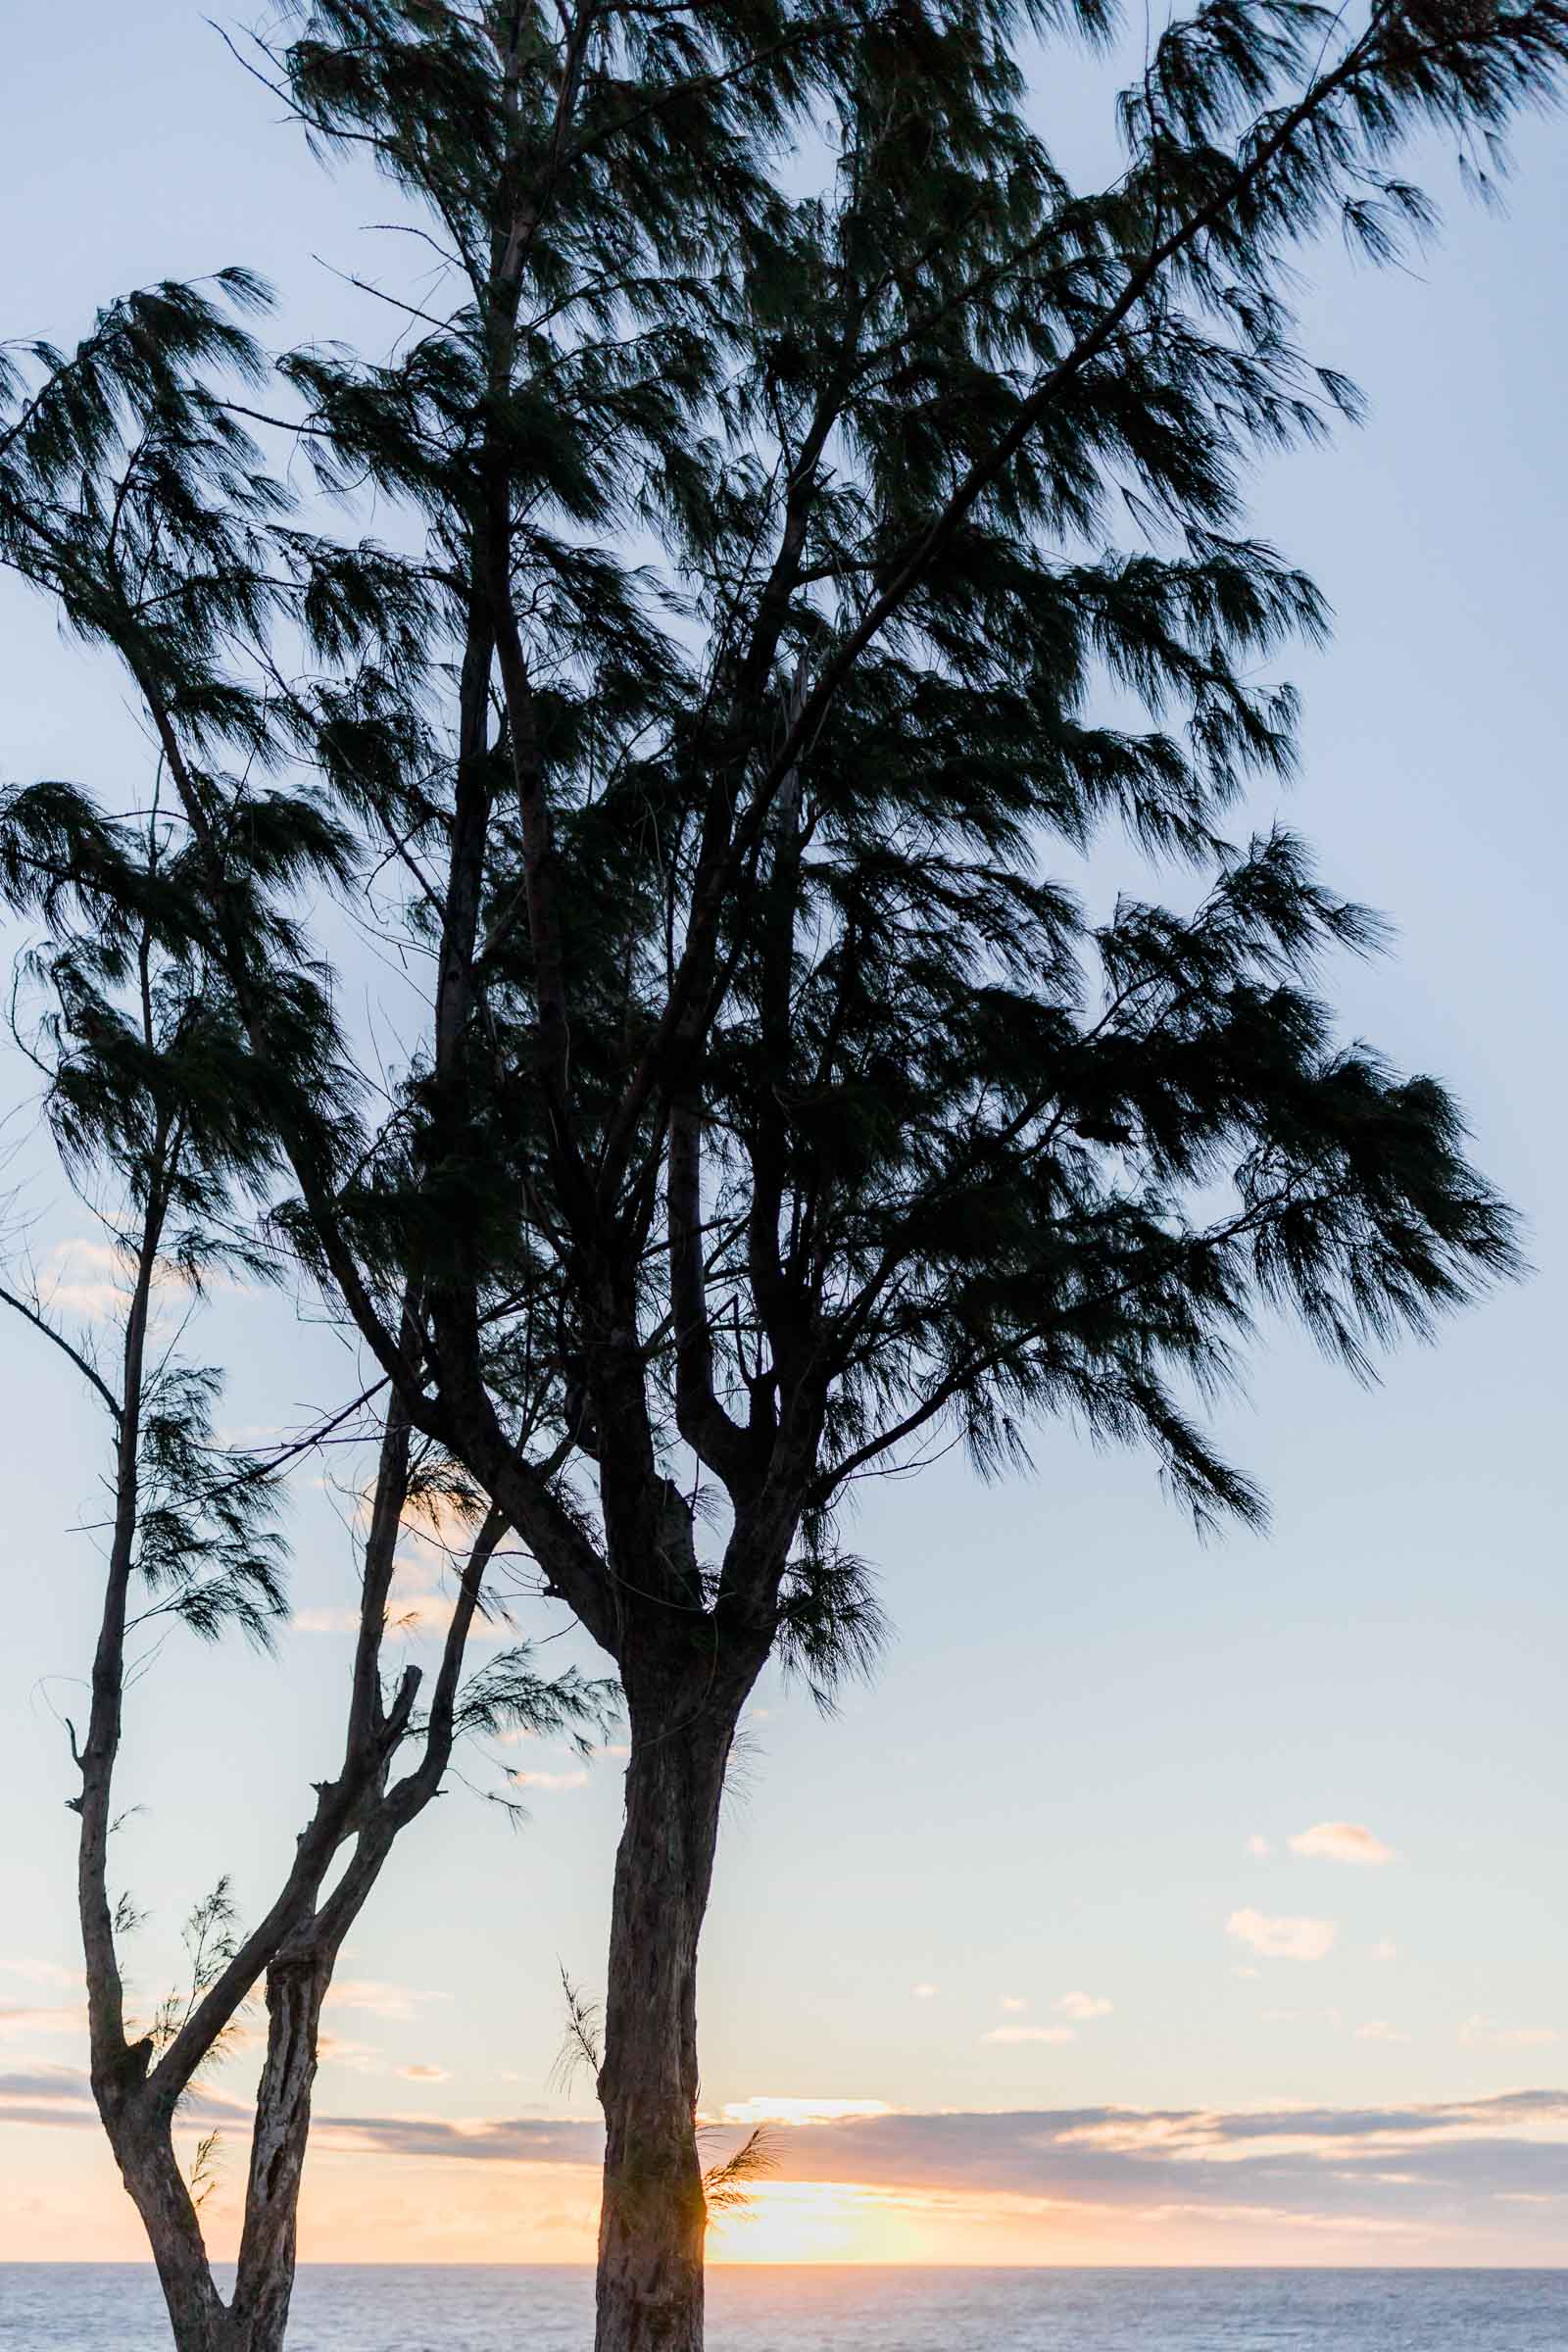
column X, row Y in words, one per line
column 1159, row 1901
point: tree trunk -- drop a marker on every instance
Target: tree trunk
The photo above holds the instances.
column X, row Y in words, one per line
column 653, row 2216
column 144, row 2149
column 296, row 1988
column 257, row 2319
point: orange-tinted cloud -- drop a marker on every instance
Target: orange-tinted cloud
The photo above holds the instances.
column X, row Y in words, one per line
column 1341, row 1841
column 1282, row 1939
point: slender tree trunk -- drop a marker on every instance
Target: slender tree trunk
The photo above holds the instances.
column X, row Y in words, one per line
column 144, row 2149
column 296, row 1988
column 257, row 2318
column 653, row 2216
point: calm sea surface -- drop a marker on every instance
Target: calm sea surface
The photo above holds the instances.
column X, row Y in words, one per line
column 107, row 2308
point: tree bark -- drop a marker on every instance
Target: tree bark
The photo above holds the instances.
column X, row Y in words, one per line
column 296, row 1988
column 653, row 2216
column 144, row 2149
column 256, row 2319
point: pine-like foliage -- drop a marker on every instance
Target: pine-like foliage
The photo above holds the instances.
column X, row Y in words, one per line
column 767, row 1035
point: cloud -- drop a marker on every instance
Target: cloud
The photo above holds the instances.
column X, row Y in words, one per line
column 1259, row 1849
column 1378, row 2029
column 424, row 2074
column 796, row 2113
column 84, row 1278
column 1477, row 2181
column 1385, row 1950
column 358, row 2057
column 60, row 2097
column 399, row 2001
column 1283, row 1938
column 1365, row 2166
column 923, row 1992
column 1010, row 2000
column 1083, row 2005
column 548, row 1780
column 1341, row 1841
column 410, row 1615
column 326, row 1621
column 446, row 1523
column 18, row 2022
column 92, row 1280
column 1030, row 2033
column 1487, row 2030
column 430, row 1613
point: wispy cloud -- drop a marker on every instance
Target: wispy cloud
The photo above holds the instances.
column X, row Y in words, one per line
column 1259, row 1849
column 88, row 1279
column 796, row 2113
column 548, row 1780
column 91, row 1280
column 376, row 2000
column 1341, row 1841
column 424, row 2074
column 358, row 2057
column 60, row 2097
column 1012, row 2001
column 1083, row 2005
column 446, row 1523
column 39, row 1972
column 430, row 1614
column 1487, row 2030
column 410, row 1614
column 1277, row 1939
column 923, row 1992
column 19, row 2023
column 1378, row 2029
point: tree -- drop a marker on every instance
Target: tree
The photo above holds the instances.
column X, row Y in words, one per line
column 765, row 439
column 138, row 1049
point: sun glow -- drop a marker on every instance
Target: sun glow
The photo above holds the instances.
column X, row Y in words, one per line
column 859, row 2221
column 818, row 2221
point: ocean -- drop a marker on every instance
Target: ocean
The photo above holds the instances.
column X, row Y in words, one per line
column 114, row 2308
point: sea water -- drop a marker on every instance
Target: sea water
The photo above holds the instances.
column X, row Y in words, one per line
column 116, row 2308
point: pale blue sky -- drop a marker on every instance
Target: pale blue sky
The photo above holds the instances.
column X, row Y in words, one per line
column 1085, row 1716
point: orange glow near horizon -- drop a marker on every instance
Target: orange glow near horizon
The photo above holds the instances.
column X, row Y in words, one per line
column 858, row 2222
column 60, row 2201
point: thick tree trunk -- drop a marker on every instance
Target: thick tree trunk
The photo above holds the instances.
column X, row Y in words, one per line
column 653, row 2215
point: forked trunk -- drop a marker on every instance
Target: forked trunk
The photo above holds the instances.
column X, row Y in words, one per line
column 653, row 2216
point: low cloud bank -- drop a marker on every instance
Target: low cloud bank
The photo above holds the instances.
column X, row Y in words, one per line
column 1488, row 2163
